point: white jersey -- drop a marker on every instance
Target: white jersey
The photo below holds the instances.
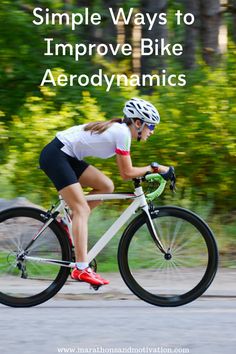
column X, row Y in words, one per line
column 81, row 144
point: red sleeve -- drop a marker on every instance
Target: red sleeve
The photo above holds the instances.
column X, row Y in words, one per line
column 122, row 152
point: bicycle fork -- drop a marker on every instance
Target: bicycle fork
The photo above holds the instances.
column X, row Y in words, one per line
column 151, row 228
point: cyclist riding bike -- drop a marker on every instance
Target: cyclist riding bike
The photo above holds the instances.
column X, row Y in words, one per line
column 63, row 162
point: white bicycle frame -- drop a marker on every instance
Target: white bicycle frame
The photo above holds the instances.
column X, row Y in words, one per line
column 139, row 201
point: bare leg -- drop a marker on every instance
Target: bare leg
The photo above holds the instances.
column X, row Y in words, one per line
column 74, row 198
column 100, row 183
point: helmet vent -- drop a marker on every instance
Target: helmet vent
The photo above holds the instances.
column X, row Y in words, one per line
column 146, row 115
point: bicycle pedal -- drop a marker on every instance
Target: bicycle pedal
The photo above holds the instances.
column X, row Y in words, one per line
column 24, row 275
column 95, row 287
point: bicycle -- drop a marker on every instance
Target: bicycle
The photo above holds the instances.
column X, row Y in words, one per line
column 167, row 255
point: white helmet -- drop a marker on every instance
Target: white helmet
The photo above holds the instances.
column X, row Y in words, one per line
column 145, row 111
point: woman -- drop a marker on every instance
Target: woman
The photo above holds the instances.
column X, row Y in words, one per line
column 63, row 161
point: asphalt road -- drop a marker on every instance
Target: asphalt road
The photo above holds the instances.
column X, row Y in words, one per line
column 205, row 326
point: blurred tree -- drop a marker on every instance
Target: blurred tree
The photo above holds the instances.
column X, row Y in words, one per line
column 198, row 129
column 106, row 33
column 206, row 27
column 109, row 32
column 85, row 32
column 210, row 22
column 152, row 62
column 232, row 5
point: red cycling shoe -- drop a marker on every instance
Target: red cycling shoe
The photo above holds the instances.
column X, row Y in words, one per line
column 89, row 276
column 105, row 282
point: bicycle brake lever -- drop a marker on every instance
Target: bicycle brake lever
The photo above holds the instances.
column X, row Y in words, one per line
column 173, row 186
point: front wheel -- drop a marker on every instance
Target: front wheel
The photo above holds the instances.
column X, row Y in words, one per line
column 179, row 278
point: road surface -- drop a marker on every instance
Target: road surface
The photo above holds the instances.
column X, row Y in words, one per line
column 205, row 326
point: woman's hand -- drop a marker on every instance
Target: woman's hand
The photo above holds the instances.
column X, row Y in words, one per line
column 157, row 168
column 168, row 173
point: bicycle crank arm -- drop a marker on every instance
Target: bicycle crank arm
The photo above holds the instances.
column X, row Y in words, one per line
column 51, row 261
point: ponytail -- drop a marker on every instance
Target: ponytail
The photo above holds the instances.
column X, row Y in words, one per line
column 100, row 127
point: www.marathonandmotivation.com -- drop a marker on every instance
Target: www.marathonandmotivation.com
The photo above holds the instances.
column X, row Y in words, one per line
column 99, row 79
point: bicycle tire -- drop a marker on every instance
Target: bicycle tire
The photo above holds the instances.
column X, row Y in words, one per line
column 41, row 282
column 196, row 268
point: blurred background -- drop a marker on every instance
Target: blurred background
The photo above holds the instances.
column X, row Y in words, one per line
column 197, row 133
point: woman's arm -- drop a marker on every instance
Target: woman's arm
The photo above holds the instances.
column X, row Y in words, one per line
column 127, row 171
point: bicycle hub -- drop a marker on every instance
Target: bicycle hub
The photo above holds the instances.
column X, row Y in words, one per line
column 167, row 256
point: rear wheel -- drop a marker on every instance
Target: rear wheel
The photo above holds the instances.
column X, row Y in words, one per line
column 27, row 283
column 178, row 277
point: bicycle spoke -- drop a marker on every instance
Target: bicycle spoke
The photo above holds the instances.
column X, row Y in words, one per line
column 42, row 279
column 179, row 248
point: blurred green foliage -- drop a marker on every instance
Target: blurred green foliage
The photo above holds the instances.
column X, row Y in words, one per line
column 197, row 133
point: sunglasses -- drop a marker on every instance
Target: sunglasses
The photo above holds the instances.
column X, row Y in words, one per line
column 151, row 126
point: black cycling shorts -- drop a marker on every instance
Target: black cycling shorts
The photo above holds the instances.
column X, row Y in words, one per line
column 62, row 169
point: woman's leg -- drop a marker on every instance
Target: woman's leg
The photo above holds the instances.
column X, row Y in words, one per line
column 96, row 180
column 74, row 198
